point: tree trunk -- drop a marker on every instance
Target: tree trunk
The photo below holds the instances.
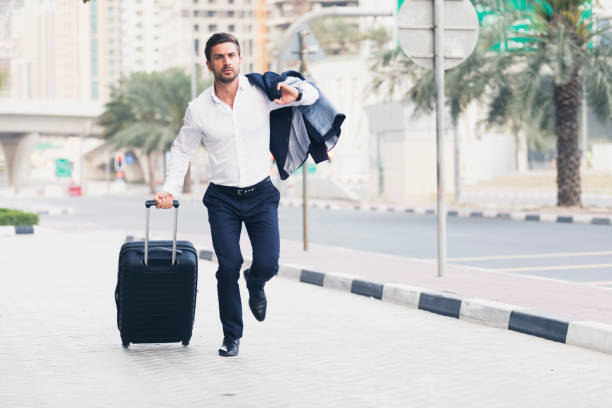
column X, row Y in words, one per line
column 151, row 163
column 187, row 181
column 521, row 160
column 567, row 104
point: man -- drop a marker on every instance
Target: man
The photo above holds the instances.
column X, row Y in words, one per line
column 232, row 118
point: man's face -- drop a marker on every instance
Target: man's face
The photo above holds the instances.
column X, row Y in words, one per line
column 224, row 62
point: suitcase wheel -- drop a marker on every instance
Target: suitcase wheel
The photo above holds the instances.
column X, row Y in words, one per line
column 185, row 342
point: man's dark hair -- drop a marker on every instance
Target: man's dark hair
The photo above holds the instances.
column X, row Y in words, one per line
column 219, row 38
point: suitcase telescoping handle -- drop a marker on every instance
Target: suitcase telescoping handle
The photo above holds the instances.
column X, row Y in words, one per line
column 148, row 205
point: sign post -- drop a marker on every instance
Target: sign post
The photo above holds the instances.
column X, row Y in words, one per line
column 303, row 55
column 305, row 45
column 433, row 42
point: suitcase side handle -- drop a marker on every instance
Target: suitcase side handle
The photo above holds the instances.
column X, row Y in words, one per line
column 148, row 205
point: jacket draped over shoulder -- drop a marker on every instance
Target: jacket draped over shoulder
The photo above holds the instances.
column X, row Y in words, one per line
column 297, row 131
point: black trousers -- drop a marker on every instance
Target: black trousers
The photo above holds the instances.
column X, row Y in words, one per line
column 228, row 208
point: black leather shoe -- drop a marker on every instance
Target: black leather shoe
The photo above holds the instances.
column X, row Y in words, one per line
column 258, row 304
column 230, row 347
column 257, row 300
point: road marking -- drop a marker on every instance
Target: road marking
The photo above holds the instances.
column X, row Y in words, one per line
column 599, row 283
column 554, row 268
column 529, row 256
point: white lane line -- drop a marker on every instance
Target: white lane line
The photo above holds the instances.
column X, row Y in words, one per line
column 530, row 256
column 555, row 268
column 598, row 283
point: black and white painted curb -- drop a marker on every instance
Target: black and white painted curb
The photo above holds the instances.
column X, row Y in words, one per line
column 55, row 211
column 465, row 213
column 10, row 230
column 587, row 334
column 530, row 216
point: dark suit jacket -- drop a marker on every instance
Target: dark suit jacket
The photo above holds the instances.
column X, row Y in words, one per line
column 297, row 131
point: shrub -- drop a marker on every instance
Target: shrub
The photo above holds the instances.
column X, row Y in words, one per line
column 15, row 217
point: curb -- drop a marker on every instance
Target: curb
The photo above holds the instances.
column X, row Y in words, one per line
column 56, row 211
column 459, row 213
column 586, row 334
column 10, row 230
column 466, row 213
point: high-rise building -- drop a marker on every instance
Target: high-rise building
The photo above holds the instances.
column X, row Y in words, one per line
column 64, row 49
column 140, row 35
column 187, row 24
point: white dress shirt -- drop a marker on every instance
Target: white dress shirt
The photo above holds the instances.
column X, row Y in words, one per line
column 237, row 140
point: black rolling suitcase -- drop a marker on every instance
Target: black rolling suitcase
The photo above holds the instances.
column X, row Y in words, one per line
column 156, row 288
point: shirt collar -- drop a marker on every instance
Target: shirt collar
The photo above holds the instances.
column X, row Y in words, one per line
column 242, row 85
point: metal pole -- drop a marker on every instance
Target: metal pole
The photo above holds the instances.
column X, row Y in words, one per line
column 107, row 171
column 439, row 78
column 457, row 161
column 303, row 55
column 584, row 130
column 381, row 176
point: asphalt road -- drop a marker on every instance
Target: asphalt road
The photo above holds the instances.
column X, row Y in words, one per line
column 573, row 252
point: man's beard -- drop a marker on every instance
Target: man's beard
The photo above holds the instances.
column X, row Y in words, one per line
column 225, row 80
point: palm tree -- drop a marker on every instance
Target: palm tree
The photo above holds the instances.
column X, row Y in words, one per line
column 545, row 52
column 562, row 47
column 463, row 84
column 146, row 112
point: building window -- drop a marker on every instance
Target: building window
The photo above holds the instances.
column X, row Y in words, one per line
column 231, row 27
column 212, row 27
column 230, row 13
column 94, row 90
column 211, row 13
column 196, row 27
column 230, row 1
column 93, row 18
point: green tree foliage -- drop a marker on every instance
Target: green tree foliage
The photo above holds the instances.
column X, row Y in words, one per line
column 146, row 112
column 341, row 35
column 530, row 64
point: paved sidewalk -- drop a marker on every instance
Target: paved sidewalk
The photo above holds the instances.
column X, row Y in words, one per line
column 317, row 347
column 560, row 298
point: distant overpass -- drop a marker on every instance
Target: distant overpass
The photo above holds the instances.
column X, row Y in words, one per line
column 23, row 122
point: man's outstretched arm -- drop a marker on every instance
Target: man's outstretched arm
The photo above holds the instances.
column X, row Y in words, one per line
column 290, row 90
column 183, row 147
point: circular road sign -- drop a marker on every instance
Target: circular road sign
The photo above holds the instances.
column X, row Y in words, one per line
column 416, row 31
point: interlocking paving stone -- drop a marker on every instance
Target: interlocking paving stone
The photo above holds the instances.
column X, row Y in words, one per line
column 317, row 348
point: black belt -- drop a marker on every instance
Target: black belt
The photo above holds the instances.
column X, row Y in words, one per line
column 242, row 191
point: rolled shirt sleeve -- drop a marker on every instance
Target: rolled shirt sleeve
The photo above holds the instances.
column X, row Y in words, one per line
column 182, row 149
column 309, row 94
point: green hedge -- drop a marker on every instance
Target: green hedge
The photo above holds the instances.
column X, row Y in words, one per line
column 16, row 217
